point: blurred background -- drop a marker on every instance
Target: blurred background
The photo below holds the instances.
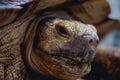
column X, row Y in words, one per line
column 112, row 38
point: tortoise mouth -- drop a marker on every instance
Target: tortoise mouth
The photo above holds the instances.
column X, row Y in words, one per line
column 61, row 65
column 70, row 60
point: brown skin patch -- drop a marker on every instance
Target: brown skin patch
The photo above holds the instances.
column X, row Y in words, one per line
column 64, row 49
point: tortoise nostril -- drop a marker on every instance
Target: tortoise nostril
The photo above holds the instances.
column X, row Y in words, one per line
column 90, row 41
column 97, row 41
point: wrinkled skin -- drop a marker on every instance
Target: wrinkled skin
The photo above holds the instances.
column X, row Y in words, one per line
column 17, row 17
column 62, row 49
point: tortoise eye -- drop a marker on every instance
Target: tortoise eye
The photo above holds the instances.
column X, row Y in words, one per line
column 62, row 31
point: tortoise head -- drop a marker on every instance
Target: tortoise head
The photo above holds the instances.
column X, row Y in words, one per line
column 62, row 48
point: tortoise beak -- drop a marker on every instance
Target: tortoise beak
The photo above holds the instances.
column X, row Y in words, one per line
column 82, row 47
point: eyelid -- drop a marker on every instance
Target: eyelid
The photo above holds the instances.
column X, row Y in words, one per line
column 62, row 31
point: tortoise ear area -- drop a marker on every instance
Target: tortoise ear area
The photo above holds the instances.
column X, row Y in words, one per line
column 32, row 35
column 38, row 30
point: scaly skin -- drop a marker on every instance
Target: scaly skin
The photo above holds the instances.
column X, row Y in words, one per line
column 21, row 33
column 20, row 16
column 52, row 47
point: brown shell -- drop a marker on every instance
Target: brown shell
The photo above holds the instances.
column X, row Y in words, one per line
column 12, row 9
column 16, row 15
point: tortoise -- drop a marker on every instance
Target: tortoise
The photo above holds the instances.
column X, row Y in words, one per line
column 52, row 39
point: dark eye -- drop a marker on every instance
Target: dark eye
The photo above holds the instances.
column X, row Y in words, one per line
column 62, row 31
